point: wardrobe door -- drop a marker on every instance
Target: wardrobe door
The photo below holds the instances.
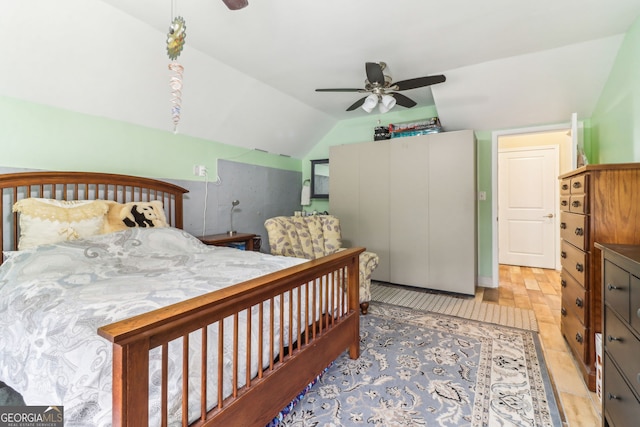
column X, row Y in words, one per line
column 373, row 231
column 409, row 211
column 359, row 197
column 452, row 212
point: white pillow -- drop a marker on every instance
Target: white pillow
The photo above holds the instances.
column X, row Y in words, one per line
column 45, row 221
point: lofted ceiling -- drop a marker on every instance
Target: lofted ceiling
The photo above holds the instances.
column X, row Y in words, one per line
column 251, row 74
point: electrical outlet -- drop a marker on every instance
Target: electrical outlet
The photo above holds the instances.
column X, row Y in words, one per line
column 482, row 195
column 199, row 170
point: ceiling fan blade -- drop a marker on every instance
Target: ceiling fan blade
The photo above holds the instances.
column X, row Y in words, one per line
column 419, row 82
column 340, row 90
column 374, row 73
column 403, row 100
column 357, row 104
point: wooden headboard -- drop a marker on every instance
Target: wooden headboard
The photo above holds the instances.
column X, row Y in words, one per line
column 82, row 186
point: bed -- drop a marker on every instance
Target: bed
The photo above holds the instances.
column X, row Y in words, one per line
column 199, row 336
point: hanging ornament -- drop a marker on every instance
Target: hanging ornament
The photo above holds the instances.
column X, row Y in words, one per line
column 175, row 43
column 175, row 37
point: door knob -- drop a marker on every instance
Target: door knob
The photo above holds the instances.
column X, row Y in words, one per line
column 548, row 216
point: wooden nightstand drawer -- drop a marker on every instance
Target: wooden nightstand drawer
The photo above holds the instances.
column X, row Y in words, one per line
column 226, row 239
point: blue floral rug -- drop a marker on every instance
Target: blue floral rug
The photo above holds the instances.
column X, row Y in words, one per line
column 423, row 369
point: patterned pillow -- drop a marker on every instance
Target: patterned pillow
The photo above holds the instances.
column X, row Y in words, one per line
column 45, row 221
column 134, row 214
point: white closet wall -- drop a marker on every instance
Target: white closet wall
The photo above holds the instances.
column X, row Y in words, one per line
column 412, row 201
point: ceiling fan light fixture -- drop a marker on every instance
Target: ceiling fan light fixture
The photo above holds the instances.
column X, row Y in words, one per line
column 370, row 103
column 386, row 103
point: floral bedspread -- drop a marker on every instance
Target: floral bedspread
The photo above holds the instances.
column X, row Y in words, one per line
column 53, row 298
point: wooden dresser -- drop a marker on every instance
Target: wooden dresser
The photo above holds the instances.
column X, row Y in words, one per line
column 597, row 203
column 621, row 335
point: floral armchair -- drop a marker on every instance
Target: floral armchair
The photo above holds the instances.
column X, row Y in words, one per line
column 315, row 236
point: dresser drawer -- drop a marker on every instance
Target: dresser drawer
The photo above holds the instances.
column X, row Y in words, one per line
column 616, row 289
column 574, row 298
column 578, row 204
column 573, row 228
column 623, row 347
column 622, row 408
column 565, row 203
column 579, row 184
column 565, row 186
column 574, row 261
column 634, row 303
column 576, row 334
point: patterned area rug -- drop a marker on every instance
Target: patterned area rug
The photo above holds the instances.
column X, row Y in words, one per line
column 424, row 369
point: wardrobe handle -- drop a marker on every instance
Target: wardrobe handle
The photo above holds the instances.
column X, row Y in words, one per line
column 579, row 302
column 563, row 254
column 579, row 267
column 613, row 288
column 563, row 283
column 579, row 337
column 563, row 311
column 612, row 396
column 611, row 338
column 579, row 231
column 563, row 226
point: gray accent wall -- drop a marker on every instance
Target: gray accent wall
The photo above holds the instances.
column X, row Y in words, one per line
column 263, row 193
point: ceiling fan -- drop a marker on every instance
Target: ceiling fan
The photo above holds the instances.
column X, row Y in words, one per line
column 384, row 91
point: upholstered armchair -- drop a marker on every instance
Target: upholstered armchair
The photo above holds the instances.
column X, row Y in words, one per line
column 315, row 236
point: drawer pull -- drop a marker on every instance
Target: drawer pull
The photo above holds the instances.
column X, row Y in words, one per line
column 563, row 283
column 565, row 186
column 577, row 184
column 564, row 203
column 611, row 338
column 613, row 288
column 612, row 396
column 575, row 203
column 563, row 225
column 579, row 302
column 579, row 231
column 563, row 311
column 579, row 337
column 563, row 254
column 579, row 267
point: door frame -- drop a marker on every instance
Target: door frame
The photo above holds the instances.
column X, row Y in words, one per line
column 495, row 135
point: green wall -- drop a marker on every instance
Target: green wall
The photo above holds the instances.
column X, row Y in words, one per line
column 615, row 123
column 40, row 137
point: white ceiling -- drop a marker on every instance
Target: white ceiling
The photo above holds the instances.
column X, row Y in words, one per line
column 250, row 74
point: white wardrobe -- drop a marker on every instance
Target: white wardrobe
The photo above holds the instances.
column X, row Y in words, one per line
column 413, row 202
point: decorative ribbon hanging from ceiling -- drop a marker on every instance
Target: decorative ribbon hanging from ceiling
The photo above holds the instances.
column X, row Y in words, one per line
column 175, row 43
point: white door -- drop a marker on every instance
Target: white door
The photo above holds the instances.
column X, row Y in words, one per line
column 527, row 194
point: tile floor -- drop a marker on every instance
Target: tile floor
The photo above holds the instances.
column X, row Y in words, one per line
column 539, row 290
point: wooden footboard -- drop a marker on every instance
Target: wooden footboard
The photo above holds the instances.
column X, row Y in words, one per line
column 311, row 295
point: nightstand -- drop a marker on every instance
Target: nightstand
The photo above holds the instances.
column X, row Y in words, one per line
column 225, row 239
